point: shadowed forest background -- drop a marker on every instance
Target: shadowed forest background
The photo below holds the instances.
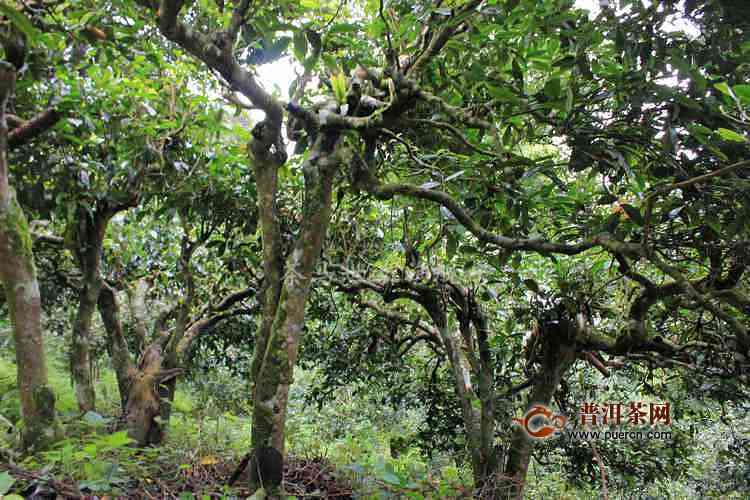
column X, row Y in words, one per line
column 342, row 248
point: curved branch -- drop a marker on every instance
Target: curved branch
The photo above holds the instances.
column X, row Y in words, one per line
column 438, row 41
column 34, row 127
column 662, row 190
column 398, row 317
column 739, row 329
column 456, row 133
column 233, row 298
column 205, row 325
column 456, row 113
column 203, row 47
column 366, row 181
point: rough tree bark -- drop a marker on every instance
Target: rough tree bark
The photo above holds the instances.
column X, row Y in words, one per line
column 109, row 309
column 87, row 239
column 143, row 399
column 140, row 385
column 558, row 353
column 141, row 395
column 287, row 287
column 18, row 274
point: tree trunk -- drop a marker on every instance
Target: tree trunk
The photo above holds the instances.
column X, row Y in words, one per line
column 466, row 395
column 558, row 354
column 109, row 309
column 80, row 357
column 167, row 391
column 144, row 402
column 18, row 274
column 88, row 240
column 137, row 306
column 285, row 299
column 489, row 461
column 141, row 388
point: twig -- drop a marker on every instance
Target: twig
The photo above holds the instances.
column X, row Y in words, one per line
column 453, row 130
column 391, row 54
column 660, row 190
column 605, row 492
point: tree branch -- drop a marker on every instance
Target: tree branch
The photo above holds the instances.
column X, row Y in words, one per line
column 441, row 38
column 456, row 113
column 34, row 127
column 365, row 180
column 203, row 47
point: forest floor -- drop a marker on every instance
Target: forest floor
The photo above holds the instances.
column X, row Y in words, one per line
column 343, row 449
column 303, row 478
column 338, row 453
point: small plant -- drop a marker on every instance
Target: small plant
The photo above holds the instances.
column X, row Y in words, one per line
column 95, row 461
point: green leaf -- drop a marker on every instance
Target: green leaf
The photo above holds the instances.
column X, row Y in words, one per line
column 731, row 135
column 330, row 62
column 451, row 245
column 338, row 82
column 300, row 45
column 552, row 88
column 723, row 88
column 391, row 478
column 6, row 482
column 19, row 20
column 310, row 4
column 258, row 495
column 568, row 99
column 117, row 439
column 742, row 92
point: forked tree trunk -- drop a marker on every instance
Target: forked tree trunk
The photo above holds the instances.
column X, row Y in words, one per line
column 287, row 289
column 143, row 407
column 18, row 274
column 466, row 395
column 558, row 354
column 477, row 403
column 139, row 386
column 147, row 390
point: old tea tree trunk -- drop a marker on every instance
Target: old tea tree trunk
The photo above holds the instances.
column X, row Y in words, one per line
column 85, row 238
column 161, row 360
column 18, row 274
column 287, row 278
column 88, row 237
column 557, row 342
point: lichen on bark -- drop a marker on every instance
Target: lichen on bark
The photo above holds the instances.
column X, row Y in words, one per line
column 14, row 224
column 18, row 274
column 42, row 429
